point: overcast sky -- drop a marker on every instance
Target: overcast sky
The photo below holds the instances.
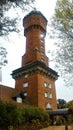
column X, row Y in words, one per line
column 16, row 49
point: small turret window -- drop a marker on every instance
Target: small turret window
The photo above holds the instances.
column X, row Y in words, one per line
column 42, row 53
column 25, row 84
column 42, row 60
column 42, row 35
column 42, row 47
column 42, row 40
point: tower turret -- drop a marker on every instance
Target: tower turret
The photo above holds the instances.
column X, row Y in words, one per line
column 35, row 31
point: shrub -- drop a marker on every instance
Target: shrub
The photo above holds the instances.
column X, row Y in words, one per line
column 29, row 117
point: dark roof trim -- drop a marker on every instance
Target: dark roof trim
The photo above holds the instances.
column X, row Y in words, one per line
column 34, row 12
column 60, row 112
column 33, row 64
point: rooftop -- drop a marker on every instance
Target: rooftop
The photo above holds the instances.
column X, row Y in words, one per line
column 34, row 12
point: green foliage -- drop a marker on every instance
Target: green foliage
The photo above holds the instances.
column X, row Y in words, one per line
column 9, row 23
column 2, row 115
column 70, row 116
column 61, row 103
column 70, row 105
column 62, row 24
column 64, row 13
column 8, row 115
column 12, row 114
column 26, row 118
column 15, row 1
column 35, row 117
column 33, row 113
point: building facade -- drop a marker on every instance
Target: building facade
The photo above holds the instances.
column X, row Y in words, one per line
column 35, row 80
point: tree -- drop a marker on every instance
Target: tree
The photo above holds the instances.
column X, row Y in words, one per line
column 70, row 106
column 8, row 115
column 63, row 30
column 3, row 54
column 61, row 103
column 2, row 115
column 12, row 114
column 8, row 24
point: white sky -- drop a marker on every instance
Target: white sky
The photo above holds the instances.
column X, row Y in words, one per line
column 16, row 48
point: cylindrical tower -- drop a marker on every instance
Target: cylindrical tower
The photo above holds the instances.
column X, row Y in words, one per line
column 35, row 31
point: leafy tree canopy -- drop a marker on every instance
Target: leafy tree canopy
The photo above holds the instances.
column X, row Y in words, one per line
column 61, row 103
column 63, row 31
column 8, row 24
column 70, row 105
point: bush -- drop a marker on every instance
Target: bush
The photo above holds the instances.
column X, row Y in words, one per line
column 33, row 113
column 29, row 117
column 36, row 117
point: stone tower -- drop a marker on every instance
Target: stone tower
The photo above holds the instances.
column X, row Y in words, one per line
column 35, row 79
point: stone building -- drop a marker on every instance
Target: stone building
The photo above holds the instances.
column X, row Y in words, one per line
column 35, row 80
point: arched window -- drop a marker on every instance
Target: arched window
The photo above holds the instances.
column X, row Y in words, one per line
column 48, row 106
